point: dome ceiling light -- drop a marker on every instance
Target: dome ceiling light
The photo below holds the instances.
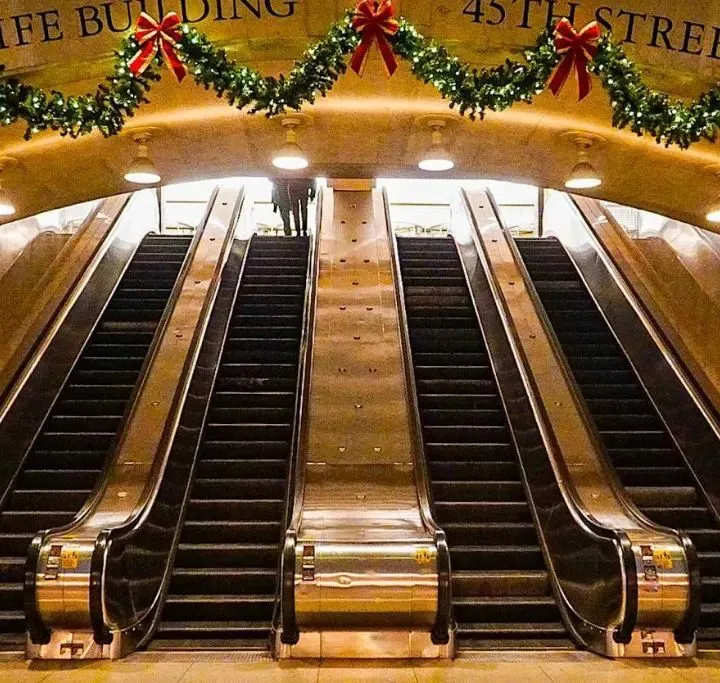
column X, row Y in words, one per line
column 142, row 170
column 290, row 157
column 436, row 158
column 583, row 176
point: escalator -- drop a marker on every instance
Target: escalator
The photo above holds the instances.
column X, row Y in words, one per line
column 500, row 585
column 67, row 456
column 637, row 442
column 224, row 581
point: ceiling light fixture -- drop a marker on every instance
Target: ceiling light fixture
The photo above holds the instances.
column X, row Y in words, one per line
column 290, row 156
column 583, row 175
column 7, row 206
column 437, row 158
column 142, row 171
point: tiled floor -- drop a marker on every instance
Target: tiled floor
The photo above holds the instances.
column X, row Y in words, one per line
column 495, row 667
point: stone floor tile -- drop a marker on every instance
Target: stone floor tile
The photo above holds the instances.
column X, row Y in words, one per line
column 469, row 671
column 600, row 670
column 253, row 672
column 366, row 672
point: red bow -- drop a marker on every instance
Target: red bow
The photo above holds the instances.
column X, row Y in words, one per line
column 152, row 36
column 578, row 49
column 375, row 19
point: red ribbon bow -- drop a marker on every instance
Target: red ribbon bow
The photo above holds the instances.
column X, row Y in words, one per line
column 578, row 49
column 153, row 36
column 375, row 19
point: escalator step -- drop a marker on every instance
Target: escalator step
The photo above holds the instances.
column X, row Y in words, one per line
column 226, row 531
column 219, row 607
column 478, row 490
column 500, row 583
column 16, row 543
column 231, row 509
column 657, row 496
column 684, row 517
column 470, row 557
column 536, row 609
column 227, row 555
column 483, row 511
column 224, row 580
column 490, row 533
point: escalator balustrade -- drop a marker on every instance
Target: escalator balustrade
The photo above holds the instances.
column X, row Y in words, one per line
column 224, row 581
column 68, row 455
column 646, row 458
column 501, row 588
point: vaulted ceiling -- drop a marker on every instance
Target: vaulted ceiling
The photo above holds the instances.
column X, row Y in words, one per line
column 367, row 127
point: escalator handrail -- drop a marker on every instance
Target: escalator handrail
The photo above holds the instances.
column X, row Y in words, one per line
column 110, row 209
column 96, row 615
column 443, row 624
column 595, row 532
column 685, row 632
column 284, row 618
column 121, row 540
column 649, row 320
column 15, row 453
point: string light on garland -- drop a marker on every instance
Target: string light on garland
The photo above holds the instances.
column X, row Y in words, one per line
column 471, row 91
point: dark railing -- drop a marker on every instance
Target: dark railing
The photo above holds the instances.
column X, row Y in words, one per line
column 442, row 626
column 285, row 620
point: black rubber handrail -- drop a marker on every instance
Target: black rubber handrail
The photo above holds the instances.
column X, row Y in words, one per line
column 285, row 619
column 443, row 623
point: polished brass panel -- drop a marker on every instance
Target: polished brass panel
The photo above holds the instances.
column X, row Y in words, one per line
column 138, row 462
column 366, row 570
column 34, row 297
column 588, row 483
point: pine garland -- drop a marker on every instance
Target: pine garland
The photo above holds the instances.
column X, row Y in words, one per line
column 471, row 91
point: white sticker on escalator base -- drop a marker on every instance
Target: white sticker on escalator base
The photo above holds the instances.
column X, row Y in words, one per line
column 52, row 568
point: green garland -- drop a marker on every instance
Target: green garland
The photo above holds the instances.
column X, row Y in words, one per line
column 471, row 91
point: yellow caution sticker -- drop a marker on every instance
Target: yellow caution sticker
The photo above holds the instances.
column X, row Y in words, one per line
column 423, row 556
column 663, row 559
column 70, row 559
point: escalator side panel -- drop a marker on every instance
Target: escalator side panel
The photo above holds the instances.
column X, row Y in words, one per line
column 67, row 457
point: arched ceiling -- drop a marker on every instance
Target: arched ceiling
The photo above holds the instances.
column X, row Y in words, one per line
column 365, row 126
